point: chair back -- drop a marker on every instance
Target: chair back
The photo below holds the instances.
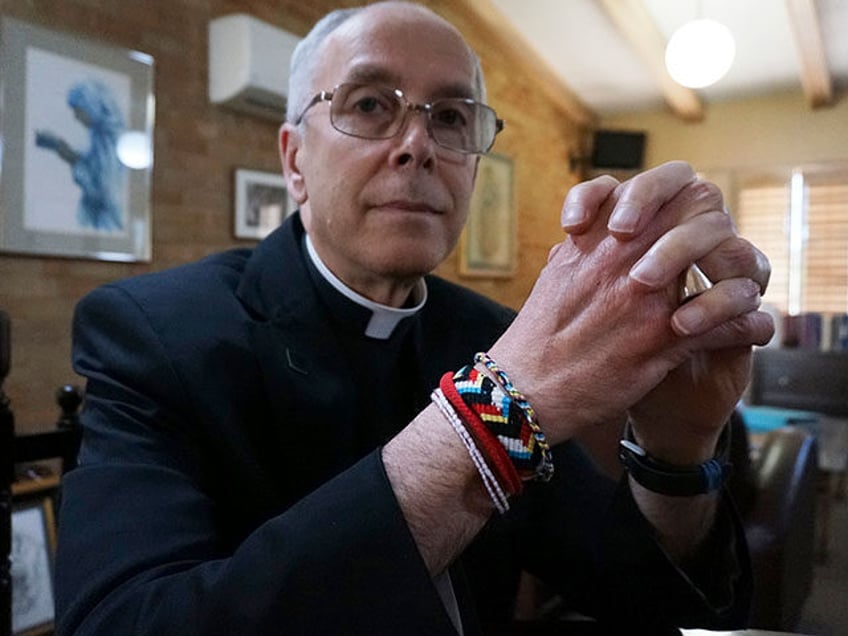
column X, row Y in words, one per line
column 61, row 443
column 800, row 379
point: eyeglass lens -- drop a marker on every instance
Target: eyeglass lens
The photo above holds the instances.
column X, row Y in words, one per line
column 376, row 112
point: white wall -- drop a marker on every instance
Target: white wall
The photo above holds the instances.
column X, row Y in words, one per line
column 778, row 131
column 773, row 130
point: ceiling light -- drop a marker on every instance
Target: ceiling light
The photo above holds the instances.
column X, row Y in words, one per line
column 699, row 53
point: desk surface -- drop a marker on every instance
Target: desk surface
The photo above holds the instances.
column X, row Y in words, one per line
column 739, row 632
column 590, row 628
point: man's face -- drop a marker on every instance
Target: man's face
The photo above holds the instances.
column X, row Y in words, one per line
column 386, row 210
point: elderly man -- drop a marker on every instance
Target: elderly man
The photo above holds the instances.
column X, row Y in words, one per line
column 273, row 445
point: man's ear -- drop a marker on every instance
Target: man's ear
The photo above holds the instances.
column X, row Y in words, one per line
column 290, row 142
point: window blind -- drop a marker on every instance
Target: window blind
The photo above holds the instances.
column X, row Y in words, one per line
column 764, row 216
column 825, row 285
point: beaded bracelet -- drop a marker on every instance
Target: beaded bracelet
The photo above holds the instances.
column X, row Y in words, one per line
column 502, row 466
column 496, row 493
column 547, row 467
column 509, row 420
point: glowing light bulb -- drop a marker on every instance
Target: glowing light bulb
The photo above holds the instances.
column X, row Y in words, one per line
column 700, row 53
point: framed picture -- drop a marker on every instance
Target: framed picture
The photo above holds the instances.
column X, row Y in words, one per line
column 77, row 130
column 262, row 203
column 488, row 245
column 33, row 549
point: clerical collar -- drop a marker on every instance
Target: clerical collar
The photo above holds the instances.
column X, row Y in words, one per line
column 384, row 319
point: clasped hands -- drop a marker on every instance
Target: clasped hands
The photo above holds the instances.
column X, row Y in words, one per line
column 603, row 332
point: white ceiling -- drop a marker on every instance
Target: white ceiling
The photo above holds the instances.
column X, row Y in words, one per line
column 581, row 44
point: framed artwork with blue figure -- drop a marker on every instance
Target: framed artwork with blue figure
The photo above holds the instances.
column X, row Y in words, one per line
column 77, row 138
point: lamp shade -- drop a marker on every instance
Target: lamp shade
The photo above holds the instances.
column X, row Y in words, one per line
column 700, row 53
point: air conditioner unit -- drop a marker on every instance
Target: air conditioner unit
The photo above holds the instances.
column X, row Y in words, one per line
column 249, row 65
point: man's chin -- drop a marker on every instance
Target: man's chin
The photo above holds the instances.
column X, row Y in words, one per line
column 409, row 264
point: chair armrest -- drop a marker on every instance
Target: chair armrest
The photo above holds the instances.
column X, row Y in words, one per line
column 785, row 474
column 780, row 527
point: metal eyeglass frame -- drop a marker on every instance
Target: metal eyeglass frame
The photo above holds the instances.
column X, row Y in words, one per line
column 426, row 108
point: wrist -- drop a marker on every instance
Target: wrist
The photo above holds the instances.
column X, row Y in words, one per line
column 674, row 446
column 437, row 488
column 427, row 458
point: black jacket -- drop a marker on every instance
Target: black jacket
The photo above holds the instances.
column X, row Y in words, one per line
column 221, row 489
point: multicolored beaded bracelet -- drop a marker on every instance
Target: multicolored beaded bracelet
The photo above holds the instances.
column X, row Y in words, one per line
column 490, row 445
column 547, row 467
column 509, row 417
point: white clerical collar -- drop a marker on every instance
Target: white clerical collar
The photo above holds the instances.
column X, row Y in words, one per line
column 384, row 319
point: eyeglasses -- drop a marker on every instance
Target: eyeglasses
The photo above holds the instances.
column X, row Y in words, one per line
column 377, row 112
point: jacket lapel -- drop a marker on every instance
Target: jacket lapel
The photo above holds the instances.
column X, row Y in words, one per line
column 303, row 375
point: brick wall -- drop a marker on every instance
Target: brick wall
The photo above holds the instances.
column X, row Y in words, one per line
column 197, row 148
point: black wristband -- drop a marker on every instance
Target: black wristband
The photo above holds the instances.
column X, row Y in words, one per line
column 669, row 479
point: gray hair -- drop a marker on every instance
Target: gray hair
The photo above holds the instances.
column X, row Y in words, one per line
column 305, row 59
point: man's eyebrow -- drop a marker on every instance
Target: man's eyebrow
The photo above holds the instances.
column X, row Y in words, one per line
column 369, row 74
column 456, row 90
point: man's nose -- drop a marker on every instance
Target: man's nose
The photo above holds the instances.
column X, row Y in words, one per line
column 416, row 117
column 416, row 143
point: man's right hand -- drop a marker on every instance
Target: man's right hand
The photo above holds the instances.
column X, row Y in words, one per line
column 603, row 325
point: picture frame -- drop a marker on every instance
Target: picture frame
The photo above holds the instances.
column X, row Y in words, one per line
column 33, row 551
column 488, row 245
column 77, row 128
column 261, row 203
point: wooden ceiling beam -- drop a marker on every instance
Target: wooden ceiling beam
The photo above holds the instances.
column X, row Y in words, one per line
column 815, row 74
column 636, row 25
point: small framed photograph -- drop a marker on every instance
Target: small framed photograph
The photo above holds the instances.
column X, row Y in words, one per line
column 77, row 130
column 262, row 203
column 33, row 549
column 488, row 245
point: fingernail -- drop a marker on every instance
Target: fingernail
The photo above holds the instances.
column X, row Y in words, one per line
column 572, row 215
column 689, row 320
column 647, row 271
column 753, row 289
column 624, row 218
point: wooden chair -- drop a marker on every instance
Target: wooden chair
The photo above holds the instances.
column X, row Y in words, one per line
column 60, row 444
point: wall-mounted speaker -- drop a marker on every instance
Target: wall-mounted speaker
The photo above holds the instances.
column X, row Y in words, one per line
column 618, row 149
